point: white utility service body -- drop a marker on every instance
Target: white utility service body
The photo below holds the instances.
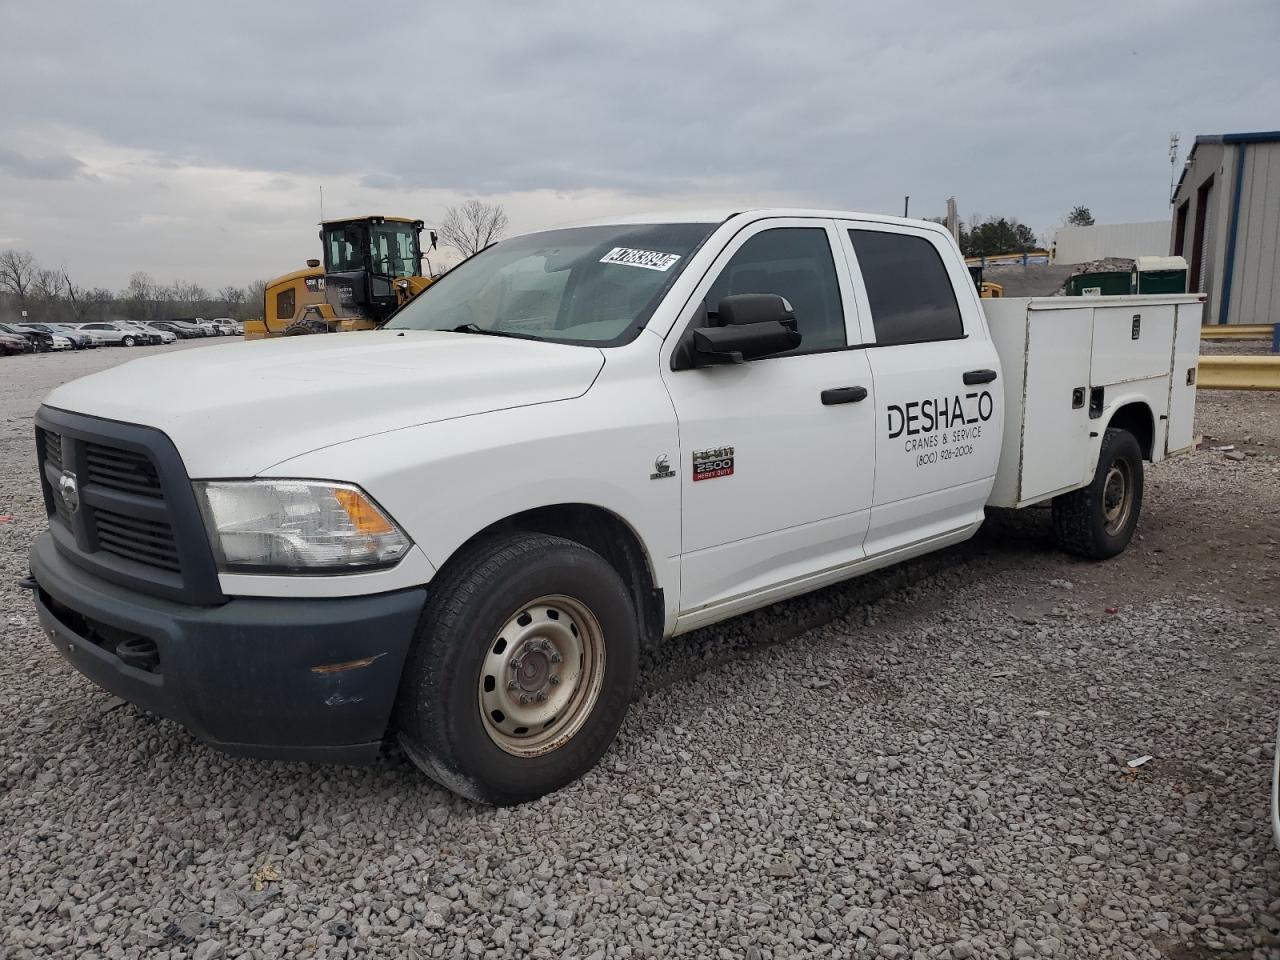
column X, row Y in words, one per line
column 712, row 481
column 1140, row 350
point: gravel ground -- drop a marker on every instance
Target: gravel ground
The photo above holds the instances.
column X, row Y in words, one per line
column 927, row 762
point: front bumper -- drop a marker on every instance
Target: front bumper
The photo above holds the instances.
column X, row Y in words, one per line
column 311, row 679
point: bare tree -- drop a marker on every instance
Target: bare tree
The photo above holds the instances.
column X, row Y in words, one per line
column 231, row 298
column 75, row 296
column 139, row 297
column 46, row 285
column 18, row 271
column 473, row 226
column 255, row 297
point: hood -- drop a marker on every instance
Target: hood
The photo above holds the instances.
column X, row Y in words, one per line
column 235, row 409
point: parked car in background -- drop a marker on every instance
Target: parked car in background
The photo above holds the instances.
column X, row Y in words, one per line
column 42, row 341
column 37, row 341
column 11, row 345
column 189, row 328
column 166, row 336
column 168, row 326
column 228, row 328
column 78, row 340
column 83, row 339
column 117, row 334
column 147, row 334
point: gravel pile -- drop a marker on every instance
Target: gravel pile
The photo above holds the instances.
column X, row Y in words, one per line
column 931, row 762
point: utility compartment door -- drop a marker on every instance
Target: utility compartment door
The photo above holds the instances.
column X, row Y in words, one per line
column 1055, row 421
column 1132, row 342
column 1182, row 380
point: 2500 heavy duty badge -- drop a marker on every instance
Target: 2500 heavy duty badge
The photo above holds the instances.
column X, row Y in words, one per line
column 709, row 464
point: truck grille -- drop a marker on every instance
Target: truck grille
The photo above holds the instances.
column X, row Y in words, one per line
column 52, row 444
column 135, row 520
column 122, row 470
column 143, row 541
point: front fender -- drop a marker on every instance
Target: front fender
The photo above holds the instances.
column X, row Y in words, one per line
column 444, row 482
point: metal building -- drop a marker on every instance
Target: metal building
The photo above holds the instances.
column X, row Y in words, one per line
column 1226, row 222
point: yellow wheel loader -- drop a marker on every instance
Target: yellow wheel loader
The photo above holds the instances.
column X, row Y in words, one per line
column 372, row 267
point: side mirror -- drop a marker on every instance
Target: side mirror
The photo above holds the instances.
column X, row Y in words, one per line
column 746, row 326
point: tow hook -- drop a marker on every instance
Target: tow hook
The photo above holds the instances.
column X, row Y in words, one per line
column 28, row 583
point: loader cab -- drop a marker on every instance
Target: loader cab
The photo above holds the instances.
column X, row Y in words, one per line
column 364, row 257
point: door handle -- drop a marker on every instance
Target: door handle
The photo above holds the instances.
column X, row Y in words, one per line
column 843, row 395
column 974, row 377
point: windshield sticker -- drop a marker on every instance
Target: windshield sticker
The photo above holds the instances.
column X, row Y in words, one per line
column 649, row 259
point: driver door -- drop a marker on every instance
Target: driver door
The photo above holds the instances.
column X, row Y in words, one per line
column 777, row 456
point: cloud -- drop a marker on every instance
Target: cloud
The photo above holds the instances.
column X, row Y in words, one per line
column 381, row 181
column 58, row 166
column 233, row 115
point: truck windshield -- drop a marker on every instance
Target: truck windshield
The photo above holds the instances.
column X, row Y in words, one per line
column 588, row 285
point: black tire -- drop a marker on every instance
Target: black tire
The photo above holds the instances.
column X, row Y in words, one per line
column 1088, row 522
column 304, row 327
column 473, row 600
column 130, row 342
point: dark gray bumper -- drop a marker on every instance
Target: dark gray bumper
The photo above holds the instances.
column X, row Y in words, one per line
column 285, row 679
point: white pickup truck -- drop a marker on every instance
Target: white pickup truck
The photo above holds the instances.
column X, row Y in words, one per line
column 460, row 529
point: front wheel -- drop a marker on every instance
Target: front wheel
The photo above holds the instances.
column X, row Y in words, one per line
column 304, row 327
column 130, row 341
column 522, row 671
column 1099, row 520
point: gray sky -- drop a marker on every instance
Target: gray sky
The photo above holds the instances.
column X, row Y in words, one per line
column 190, row 140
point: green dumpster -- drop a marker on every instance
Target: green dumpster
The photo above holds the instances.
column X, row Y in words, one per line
column 1111, row 284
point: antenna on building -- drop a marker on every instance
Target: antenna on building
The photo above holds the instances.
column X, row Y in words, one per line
column 1173, row 165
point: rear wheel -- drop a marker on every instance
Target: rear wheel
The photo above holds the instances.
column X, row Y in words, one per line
column 522, row 671
column 1099, row 521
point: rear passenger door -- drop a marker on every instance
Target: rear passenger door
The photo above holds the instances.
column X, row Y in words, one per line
column 939, row 405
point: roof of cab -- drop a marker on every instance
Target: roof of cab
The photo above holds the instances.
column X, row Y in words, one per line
column 371, row 216
column 723, row 214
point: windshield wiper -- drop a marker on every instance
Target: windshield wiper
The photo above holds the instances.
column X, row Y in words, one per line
column 476, row 328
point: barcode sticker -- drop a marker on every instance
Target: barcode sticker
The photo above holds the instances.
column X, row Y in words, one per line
column 648, row 259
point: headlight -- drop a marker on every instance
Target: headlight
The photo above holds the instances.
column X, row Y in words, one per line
column 297, row 526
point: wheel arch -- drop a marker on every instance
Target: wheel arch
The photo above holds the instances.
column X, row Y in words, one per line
column 1136, row 417
column 603, row 531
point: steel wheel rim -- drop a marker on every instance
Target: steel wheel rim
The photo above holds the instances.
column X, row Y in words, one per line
column 541, row 676
column 1117, row 497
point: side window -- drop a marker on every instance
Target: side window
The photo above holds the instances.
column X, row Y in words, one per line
column 284, row 304
column 910, row 292
column 795, row 263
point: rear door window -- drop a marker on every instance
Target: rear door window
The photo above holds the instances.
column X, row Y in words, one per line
column 908, row 287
